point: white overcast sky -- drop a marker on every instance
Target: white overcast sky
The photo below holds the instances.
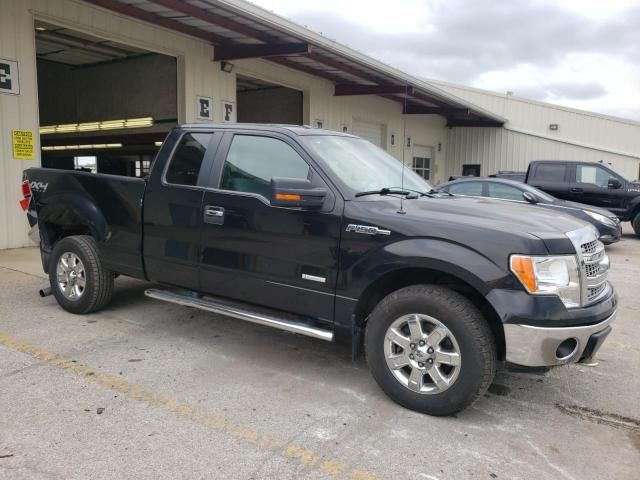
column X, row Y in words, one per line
column 580, row 53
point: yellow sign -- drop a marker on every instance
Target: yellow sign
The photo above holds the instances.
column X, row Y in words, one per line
column 23, row 145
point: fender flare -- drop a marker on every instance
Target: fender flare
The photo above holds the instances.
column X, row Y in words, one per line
column 69, row 208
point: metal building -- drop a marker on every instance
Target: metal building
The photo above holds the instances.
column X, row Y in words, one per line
column 96, row 85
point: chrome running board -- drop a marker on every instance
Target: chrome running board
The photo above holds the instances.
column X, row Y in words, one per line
column 242, row 312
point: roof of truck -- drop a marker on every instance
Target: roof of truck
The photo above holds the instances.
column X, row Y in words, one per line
column 301, row 130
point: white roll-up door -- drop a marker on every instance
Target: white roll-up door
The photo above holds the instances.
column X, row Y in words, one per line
column 376, row 133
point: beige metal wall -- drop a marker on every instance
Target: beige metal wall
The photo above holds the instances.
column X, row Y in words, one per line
column 527, row 136
column 197, row 75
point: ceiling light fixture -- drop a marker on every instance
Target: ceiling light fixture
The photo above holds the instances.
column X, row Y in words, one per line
column 142, row 122
column 82, row 147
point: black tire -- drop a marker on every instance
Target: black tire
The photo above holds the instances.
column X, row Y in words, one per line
column 635, row 223
column 98, row 287
column 468, row 326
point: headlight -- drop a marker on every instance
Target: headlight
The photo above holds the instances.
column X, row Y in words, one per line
column 600, row 218
column 555, row 275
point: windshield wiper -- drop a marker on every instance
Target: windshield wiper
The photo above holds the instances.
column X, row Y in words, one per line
column 385, row 191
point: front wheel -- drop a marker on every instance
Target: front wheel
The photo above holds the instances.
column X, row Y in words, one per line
column 635, row 223
column 79, row 281
column 430, row 349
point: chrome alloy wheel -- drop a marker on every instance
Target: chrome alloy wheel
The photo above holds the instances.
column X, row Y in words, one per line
column 71, row 276
column 422, row 354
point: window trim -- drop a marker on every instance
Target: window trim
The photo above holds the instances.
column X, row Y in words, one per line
column 208, row 158
column 215, row 175
column 421, row 170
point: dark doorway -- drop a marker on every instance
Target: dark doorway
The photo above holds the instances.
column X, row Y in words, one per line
column 104, row 107
column 471, row 170
column 263, row 102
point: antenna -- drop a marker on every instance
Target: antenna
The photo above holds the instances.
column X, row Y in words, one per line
column 404, row 140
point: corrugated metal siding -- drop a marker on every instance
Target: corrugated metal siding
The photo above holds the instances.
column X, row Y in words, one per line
column 598, row 131
column 501, row 149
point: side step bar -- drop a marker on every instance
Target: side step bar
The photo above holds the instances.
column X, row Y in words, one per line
column 241, row 312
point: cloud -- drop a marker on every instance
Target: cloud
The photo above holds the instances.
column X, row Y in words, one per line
column 470, row 41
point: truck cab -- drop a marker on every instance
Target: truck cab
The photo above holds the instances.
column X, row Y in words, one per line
column 594, row 183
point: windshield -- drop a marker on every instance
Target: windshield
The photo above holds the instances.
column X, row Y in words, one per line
column 617, row 172
column 542, row 196
column 362, row 166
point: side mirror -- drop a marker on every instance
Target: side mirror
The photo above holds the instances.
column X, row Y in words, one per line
column 614, row 183
column 530, row 197
column 296, row 193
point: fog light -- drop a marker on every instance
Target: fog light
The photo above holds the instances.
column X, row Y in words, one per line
column 566, row 349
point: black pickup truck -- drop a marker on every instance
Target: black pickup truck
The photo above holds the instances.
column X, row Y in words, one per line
column 323, row 234
column 594, row 183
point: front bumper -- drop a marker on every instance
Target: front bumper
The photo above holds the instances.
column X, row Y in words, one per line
column 609, row 235
column 541, row 346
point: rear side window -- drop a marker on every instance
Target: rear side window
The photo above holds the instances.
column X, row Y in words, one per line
column 185, row 164
column 473, row 189
column 253, row 161
column 504, row 192
column 550, row 172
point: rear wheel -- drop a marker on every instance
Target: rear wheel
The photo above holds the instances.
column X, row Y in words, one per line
column 430, row 349
column 79, row 281
column 635, row 223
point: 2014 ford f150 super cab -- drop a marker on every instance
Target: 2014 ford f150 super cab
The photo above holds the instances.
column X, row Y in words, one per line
column 323, row 234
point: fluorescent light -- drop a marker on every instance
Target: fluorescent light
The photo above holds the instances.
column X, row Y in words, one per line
column 97, row 126
column 158, row 144
column 41, row 29
column 82, row 147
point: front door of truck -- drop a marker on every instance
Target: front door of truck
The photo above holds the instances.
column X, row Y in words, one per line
column 283, row 258
column 172, row 208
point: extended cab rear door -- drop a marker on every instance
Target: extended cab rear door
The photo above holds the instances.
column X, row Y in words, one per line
column 173, row 207
column 553, row 178
column 277, row 257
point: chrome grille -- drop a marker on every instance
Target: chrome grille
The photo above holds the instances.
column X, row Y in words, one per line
column 594, row 264
column 589, row 247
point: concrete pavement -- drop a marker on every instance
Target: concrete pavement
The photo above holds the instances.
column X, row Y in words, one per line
column 150, row 390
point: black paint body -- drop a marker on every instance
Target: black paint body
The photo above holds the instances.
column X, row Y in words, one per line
column 260, row 253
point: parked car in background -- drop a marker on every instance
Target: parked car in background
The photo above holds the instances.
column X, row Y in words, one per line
column 606, row 222
column 510, row 175
column 597, row 184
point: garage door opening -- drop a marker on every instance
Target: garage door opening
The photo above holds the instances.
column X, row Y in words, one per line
column 264, row 102
column 104, row 107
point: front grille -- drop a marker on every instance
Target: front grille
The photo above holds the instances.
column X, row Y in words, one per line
column 594, row 292
column 592, row 270
column 593, row 263
column 589, row 247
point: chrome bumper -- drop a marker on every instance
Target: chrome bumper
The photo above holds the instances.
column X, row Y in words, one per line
column 537, row 346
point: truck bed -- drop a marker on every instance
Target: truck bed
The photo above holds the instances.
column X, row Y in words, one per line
column 108, row 206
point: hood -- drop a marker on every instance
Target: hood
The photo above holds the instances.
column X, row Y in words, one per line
column 478, row 223
column 584, row 206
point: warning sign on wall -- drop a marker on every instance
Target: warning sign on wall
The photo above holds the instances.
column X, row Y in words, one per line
column 23, row 145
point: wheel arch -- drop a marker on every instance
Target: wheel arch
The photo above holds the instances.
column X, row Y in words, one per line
column 407, row 276
column 65, row 215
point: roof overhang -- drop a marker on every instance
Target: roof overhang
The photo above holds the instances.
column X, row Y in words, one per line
column 242, row 30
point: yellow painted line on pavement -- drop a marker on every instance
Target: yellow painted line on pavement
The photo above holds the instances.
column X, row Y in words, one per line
column 308, row 458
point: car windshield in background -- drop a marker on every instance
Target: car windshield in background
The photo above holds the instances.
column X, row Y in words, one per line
column 618, row 172
column 362, row 166
column 542, row 196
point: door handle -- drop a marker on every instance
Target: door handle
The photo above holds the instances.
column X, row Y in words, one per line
column 214, row 212
column 214, row 215
column 577, row 190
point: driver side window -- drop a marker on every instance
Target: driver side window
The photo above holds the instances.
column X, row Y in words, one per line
column 594, row 175
column 253, row 161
